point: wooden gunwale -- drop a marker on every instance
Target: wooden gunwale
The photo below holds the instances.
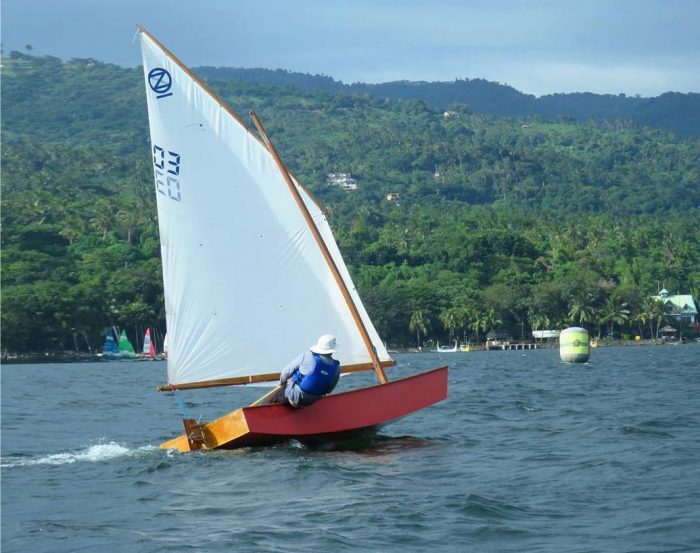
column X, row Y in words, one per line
column 332, row 417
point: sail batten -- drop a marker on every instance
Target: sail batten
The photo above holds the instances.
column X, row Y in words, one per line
column 246, row 286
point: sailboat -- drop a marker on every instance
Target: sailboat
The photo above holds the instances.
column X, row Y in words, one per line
column 110, row 349
column 252, row 274
column 149, row 349
column 126, row 349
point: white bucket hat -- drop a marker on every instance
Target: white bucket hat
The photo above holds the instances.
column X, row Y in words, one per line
column 325, row 345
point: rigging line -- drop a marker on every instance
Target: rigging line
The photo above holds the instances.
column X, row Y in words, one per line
column 181, row 404
column 196, row 427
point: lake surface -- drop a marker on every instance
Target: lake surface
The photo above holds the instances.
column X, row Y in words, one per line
column 527, row 454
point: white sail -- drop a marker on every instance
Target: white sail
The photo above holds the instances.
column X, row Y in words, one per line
column 246, row 285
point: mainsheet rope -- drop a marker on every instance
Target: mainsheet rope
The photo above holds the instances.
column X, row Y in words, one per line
column 181, row 404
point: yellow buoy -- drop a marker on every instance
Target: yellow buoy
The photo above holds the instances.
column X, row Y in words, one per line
column 573, row 345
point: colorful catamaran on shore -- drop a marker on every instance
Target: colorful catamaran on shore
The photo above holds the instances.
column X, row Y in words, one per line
column 149, row 348
column 252, row 273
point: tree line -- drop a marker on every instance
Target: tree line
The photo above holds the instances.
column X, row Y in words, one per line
column 675, row 111
column 517, row 224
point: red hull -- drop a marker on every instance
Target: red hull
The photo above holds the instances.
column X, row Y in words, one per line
column 338, row 415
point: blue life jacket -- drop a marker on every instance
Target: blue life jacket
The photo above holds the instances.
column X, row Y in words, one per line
column 318, row 380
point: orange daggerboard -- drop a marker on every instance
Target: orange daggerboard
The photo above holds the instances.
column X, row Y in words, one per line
column 251, row 271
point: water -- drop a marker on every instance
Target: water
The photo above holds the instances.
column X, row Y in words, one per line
column 527, row 454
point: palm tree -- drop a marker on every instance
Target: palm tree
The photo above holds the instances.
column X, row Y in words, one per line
column 580, row 312
column 450, row 320
column 476, row 323
column 654, row 312
column 465, row 316
column 417, row 324
column 640, row 317
column 130, row 218
column 490, row 320
column 103, row 218
column 538, row 321
column 614, row 312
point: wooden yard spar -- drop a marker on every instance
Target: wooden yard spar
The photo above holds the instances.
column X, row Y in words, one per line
column 322, row 245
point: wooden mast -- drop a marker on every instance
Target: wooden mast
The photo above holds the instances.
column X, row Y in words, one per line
column 324, row 249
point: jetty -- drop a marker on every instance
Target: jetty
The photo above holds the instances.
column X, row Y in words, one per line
column 495, row 345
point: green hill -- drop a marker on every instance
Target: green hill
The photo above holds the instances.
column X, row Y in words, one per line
column 499, row 221
column 671, row 111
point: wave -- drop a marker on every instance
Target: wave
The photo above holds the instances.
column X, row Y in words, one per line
column 93, row 454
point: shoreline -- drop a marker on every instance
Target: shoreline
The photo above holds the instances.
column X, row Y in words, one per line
column 555, row 345
column 63, row 357
column 83, row 357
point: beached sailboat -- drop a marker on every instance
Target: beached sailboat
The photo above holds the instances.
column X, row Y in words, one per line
column 446, row 349
column 126, row 348
column 252, row 274
column 110, row 349
column 149, row 349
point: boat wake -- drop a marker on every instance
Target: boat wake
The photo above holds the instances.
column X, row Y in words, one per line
column 93, row 454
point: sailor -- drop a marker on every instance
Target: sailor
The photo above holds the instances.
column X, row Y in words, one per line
column 312, row 375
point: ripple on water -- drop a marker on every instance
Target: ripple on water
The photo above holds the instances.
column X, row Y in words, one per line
column 646, row 431
column 523, row 456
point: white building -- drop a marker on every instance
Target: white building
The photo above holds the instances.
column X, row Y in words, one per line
column 341, row 180
column 545, row 334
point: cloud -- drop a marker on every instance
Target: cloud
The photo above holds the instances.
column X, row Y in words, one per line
column 538, row 46
column 631, row 79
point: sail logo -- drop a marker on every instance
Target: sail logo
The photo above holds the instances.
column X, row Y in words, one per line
column 160, row 82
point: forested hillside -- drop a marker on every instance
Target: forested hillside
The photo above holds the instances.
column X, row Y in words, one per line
column 672, row 110
column 493, row 222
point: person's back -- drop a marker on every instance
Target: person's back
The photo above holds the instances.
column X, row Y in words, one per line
column 311, row 375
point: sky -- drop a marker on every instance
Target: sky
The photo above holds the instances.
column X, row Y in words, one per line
column 644, row 47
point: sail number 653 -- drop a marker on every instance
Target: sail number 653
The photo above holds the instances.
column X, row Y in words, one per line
column 167, row 169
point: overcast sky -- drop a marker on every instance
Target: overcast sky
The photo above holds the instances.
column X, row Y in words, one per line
column 644, row 47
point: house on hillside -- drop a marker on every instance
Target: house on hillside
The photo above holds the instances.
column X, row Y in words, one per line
column 680, row 307
column 341, row 180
